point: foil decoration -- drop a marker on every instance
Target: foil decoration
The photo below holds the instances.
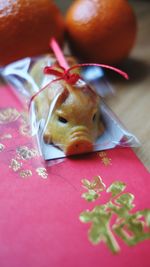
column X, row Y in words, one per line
column 1, row 147
column 42, row 172
column 15, row 165
column 25, row 173
column 26, row 153
column 8, row 115
column 130, row 226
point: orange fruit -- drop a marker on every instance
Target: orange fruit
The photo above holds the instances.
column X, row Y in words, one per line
column 26, row 27
column 101, row 31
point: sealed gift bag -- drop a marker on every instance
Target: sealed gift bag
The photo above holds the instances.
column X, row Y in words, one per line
column 67, row 114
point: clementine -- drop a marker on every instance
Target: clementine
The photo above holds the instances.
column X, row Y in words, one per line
column 26, row 27
column 101, row 31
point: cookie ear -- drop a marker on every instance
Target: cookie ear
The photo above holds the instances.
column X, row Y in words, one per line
column 61, row 98
column 56, row 88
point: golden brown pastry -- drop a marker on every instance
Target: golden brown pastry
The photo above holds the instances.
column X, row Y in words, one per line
column 72, row 114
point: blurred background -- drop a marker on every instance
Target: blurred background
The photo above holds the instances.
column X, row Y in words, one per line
column 65, row 4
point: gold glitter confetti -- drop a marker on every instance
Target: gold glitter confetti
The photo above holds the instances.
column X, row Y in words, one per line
column 106, row 161
column 42, row 172
column 15, row 165
column 1, row 147
column 25, row 173
column 8, row 115
column 102, row 154
column 26, row 153
column 6, row 136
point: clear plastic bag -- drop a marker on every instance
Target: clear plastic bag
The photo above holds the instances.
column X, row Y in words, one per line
column 66, row 118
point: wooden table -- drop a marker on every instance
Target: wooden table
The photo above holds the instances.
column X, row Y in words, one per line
column 132, row 100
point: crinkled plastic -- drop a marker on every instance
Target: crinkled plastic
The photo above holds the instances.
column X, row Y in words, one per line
column 67, row 119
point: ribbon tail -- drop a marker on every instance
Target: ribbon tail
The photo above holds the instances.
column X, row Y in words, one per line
column 58, row 53
column 122, row 73
column 41, row 90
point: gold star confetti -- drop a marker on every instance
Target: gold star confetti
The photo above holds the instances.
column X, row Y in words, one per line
column 15, row 165
column 25, row 173
column 1, row 147
column 42, row 172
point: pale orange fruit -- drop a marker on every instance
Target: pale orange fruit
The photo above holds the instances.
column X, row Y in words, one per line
column 101, row 31
column 26, row 27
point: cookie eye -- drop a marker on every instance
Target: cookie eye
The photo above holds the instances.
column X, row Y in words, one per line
column 94, row 117
column 62, row 119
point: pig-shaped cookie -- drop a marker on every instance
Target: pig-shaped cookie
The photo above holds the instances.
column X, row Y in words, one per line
column 72, row 115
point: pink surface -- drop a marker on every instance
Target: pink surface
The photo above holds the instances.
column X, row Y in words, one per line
column 39, row 218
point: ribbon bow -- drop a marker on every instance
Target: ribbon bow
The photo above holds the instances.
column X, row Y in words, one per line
column 72, row 78
column 63, row 72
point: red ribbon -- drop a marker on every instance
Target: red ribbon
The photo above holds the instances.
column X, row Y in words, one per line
column 63, row 72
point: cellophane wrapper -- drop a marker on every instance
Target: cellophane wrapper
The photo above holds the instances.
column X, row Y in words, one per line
column 26, row 78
